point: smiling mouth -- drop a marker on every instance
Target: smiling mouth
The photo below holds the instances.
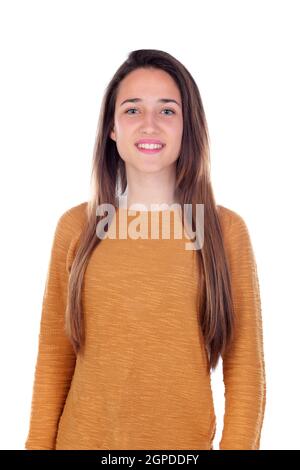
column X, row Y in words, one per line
column 150, row 150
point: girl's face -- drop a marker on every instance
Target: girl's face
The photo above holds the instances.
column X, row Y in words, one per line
column 148, row 118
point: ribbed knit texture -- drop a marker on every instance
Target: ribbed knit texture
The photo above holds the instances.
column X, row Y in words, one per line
column 141, row 381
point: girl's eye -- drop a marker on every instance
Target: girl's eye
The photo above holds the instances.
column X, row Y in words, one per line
column 134, row 109
column 167, row 109
column 130, row 109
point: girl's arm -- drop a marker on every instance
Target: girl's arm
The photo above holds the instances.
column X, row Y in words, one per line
column 243, row 364
column 56, row 358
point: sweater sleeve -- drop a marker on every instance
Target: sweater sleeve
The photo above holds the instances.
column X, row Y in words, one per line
column 243, row 363
column 56, row 358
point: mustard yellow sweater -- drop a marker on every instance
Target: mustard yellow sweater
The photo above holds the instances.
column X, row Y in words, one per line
column 142, row 381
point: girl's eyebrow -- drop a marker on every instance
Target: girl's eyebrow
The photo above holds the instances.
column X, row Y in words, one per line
column 161, row 100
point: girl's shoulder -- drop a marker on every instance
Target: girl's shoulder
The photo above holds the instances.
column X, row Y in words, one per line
column 228, row 214
column 67, row 232
column 236, row 233
column 73, row 218
column 69, row 225
column 234, row 227
column 230, row 219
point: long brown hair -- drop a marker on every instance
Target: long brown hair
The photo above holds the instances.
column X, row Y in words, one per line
column 193, row 186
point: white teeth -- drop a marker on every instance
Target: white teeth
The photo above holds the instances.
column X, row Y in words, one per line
column 150, row 146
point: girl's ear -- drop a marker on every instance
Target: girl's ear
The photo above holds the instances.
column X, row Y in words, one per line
column 112, row 135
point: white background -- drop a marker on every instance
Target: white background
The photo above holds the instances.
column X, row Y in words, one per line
column 56, row 59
